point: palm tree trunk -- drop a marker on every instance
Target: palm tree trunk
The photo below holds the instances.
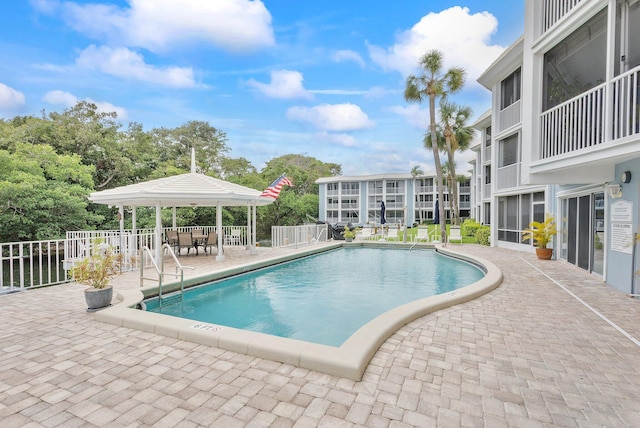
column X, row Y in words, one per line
column 453, row 193
column 436, row 161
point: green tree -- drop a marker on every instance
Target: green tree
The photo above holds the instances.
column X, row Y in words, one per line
column 433, row 84
column 174, row 147
column 43, row 194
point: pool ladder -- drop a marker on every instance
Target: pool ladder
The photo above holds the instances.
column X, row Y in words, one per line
column 160, row 271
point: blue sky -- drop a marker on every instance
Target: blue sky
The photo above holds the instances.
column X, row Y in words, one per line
column 318, row 78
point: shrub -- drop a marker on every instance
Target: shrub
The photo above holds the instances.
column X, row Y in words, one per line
column 469, row 227
column 482, row 235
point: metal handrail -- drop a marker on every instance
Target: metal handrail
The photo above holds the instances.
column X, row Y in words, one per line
column 160, row 271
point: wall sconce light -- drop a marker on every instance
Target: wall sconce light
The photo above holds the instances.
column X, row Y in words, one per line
column 614, row 190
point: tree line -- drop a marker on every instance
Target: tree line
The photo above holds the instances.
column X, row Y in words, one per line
column 50, row 164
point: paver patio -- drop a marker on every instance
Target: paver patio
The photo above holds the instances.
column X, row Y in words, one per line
column 528, row 354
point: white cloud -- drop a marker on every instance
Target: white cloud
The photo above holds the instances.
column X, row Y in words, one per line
column 414, row 115
column 159, row 25
column 345, row 140
column 285, row 84
column 68, row 100
column 122, row 62
column 10, row 99
column 462, row 37
column 348, row 55
column 331, row 117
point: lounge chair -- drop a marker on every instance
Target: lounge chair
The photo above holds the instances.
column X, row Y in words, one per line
column 185, row 240
column 422, row 235
column 365, row 233
column 454, row 234
column 392, row 233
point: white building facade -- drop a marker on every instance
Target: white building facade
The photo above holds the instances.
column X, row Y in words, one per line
column 407, row 199
column 563, row 134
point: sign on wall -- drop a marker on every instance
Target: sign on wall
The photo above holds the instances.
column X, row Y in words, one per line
column 621, row 226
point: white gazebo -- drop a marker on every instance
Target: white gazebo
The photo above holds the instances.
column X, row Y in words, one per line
column 185, row 190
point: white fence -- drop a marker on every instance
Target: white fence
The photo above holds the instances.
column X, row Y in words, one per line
column 41, row 263
column 31, row 264
column 295, row 236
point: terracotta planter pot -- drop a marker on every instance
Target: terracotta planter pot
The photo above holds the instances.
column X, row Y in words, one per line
column 98, row 298
column 544, row 253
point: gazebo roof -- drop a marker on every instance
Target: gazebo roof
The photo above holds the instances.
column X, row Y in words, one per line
column 182, row 190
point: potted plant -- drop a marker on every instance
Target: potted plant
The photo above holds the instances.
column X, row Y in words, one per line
column 541, row 234
column 96, row 272
column 349, row 234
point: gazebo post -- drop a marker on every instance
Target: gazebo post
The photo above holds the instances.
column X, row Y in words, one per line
column 219, row 256
column 173, row 218
column 158, row 232
column 121, row 241
column 134, row 232
column 253, row 232
column 248, row 247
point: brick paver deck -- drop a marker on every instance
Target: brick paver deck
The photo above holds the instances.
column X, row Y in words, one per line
column 528, row 354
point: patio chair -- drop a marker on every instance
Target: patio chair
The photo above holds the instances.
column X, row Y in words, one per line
column 172, row 238
column 454, row 234
column 185, row 240
column 235, row 237
column 212, row 242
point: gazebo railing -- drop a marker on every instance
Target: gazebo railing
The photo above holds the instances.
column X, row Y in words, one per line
column 77, row 246
column 294, row 236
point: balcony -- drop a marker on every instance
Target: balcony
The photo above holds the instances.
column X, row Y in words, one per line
column 508, row 117
column 425, row 189
column 486, row 154
column 554, row 10
column 487, row 191
column 579, row 123
column 508, row 177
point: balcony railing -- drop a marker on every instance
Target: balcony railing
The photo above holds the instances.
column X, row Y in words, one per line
column 508, row 176
column 626, row 96
column 424, row 189
column 554, row 10
column 509, row 116
column 579, row 123
column 487, row 191
column 486, row 154
column 575, row 124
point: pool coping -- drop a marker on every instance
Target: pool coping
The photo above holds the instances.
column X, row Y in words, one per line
column 348, row 361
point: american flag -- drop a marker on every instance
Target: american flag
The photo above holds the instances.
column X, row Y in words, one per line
column 273, row 191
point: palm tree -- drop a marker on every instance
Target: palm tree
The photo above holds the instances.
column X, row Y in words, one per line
column 457, row 135
column 416, row 171
column 433, row 84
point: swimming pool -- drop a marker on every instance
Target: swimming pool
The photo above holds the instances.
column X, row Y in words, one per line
column 347, row 361
column 323, row 298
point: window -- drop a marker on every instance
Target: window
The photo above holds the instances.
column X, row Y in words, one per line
column 395, row 186
column 515, row 213
column 487, row 174
column 509, row 151
column 350, row 188
column 487, row 137
column 375, row 187
column 576, row 64
column 510, row 90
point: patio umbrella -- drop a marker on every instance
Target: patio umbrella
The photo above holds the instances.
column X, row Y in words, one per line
column 436, row 216
column 382, row 210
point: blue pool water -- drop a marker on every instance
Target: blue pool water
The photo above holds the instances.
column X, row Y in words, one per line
column 323, row 298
